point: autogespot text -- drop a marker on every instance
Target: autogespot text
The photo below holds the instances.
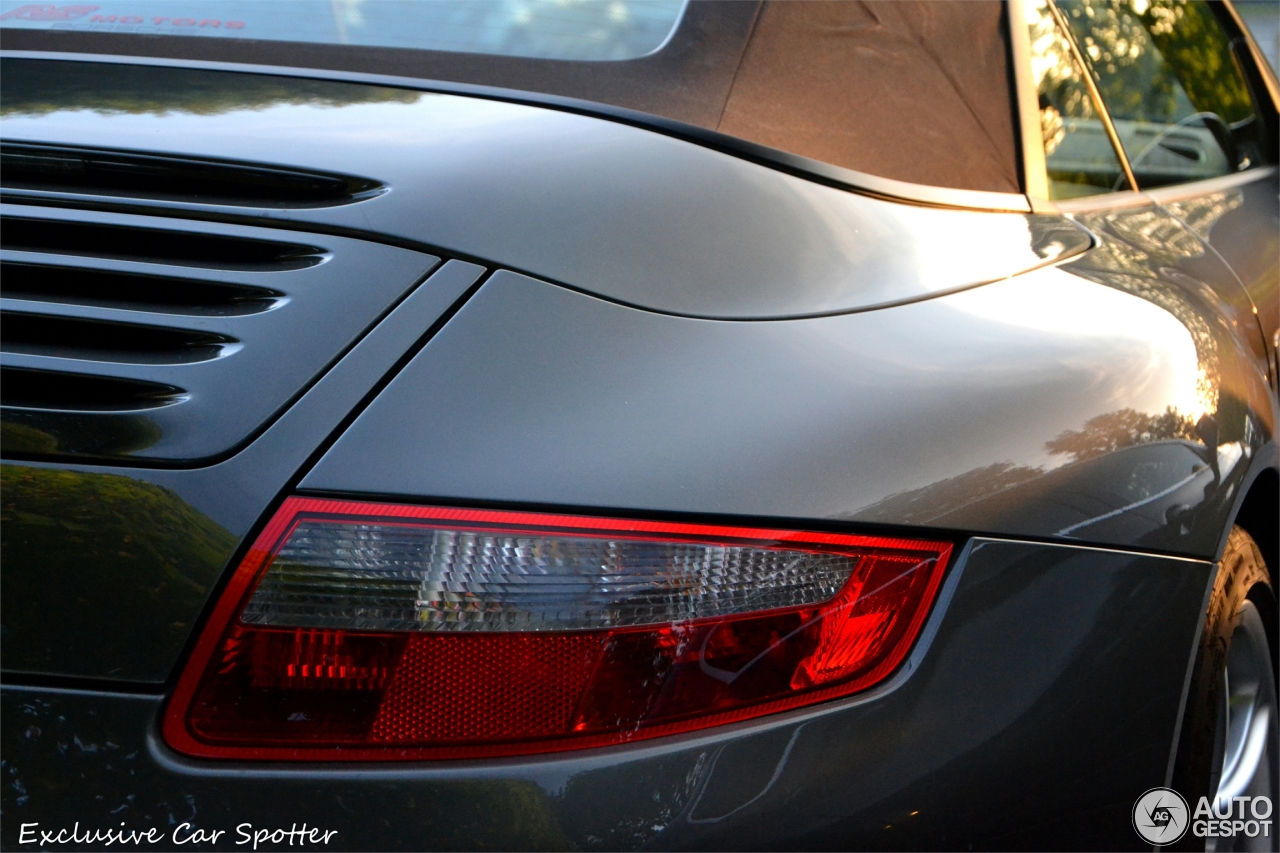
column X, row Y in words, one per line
column 1248, row 816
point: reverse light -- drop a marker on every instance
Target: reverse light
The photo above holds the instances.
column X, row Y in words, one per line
column 372, row 631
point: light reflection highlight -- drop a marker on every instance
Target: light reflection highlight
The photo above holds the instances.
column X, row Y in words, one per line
column 1056, row 303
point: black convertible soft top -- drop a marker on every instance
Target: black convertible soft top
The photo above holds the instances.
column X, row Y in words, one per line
column 914, row 90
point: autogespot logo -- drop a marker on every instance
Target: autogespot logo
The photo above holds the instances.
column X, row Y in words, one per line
column 1160, row 816
column 1232, row 817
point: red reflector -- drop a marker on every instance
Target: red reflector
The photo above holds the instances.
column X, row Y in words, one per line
column 366, row 631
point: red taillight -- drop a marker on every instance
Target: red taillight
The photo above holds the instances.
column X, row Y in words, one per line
column 368, row 631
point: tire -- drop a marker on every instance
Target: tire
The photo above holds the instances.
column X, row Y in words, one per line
column 1228, row 743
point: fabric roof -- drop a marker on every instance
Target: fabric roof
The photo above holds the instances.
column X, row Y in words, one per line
column 914, row 90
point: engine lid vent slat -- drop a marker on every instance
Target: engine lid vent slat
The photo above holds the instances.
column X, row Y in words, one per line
column 93, row 171
column 94, row 340
column 154, row 245
column 77, row 392
column 133, row 292
column 157, row 339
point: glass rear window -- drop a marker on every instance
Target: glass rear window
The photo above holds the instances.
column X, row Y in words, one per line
column 584, row 30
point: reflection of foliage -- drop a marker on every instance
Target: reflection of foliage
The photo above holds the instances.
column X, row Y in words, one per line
column 1203, row 212
column 35, row 88
column 497, row 814
column 1159, row 60
column 1100, row 435
column 601, row 810
column 1196, row 48
column 1125, row 428
column 1051, row 128
column 103, row 574
column 922, row 505
column 1067, row 110
column 1151, row 235
column 19, row 438
column 1058, row 78
column 1144, row 240
column 95, row 434
column 1134, row 81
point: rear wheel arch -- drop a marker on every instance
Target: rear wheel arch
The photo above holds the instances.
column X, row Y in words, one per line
column 1243, row 576
column 1259, row 516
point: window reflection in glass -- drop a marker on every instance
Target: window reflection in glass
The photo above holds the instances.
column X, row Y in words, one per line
column 1078, row 153
column 1170, row 81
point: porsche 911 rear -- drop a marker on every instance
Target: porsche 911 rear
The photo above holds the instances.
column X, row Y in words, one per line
column 597, row 460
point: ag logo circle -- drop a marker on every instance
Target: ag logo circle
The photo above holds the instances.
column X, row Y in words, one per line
column 1160, row 816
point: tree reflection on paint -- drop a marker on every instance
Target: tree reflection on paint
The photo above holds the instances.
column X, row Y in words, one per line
column 110, row 550
column 31, row 89
column 1124, row 428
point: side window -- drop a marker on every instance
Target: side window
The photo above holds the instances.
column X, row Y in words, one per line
column 1172, row 85
column 1078, row 153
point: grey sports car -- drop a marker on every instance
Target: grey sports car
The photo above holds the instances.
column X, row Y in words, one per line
column 638, row 424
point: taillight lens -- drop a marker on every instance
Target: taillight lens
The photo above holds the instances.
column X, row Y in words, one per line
column 367, row 631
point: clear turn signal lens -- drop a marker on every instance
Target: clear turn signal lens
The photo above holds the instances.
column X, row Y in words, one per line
column 371, row 631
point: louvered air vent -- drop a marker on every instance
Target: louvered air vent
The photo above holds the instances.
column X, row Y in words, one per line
column 184, row 248
column 48, row 389
column 171, row 340
column 151, row 293
column 88, row 339
column 91, row 171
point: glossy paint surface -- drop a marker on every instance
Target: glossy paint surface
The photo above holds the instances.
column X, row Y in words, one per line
column 96, row 556
column 618, row 211
column 270, row 356
column 669, row 333
column 1067, row 402
column 1047, row 683
column 1242, row 225
column 1062, row 403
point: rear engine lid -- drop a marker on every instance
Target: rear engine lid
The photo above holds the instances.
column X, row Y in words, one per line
column 636, row 213
column 172, row 341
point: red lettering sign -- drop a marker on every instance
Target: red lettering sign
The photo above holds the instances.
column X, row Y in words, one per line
column 48, row 12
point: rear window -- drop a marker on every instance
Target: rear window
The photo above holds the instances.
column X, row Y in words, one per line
column 543, row 29
column 913, row 91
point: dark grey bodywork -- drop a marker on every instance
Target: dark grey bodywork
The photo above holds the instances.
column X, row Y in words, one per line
column 564, row 312
column 1022, row 672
